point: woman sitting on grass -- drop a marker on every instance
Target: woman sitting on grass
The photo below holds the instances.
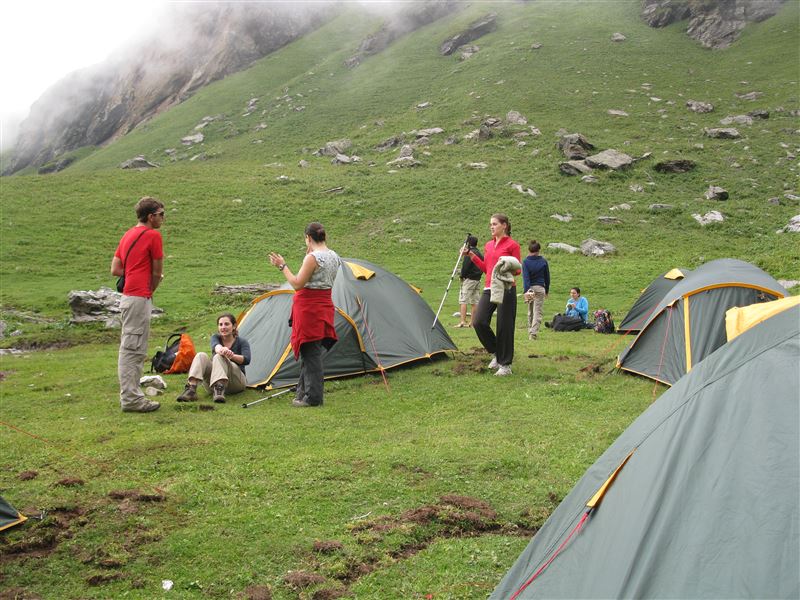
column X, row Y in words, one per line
column 224, row 371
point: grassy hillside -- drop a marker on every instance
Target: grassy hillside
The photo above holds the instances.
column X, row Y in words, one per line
column 247, row 493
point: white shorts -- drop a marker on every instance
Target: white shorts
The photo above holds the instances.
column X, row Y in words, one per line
column 470, row 291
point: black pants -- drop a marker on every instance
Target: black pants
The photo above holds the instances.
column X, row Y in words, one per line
column 501, row 344
column 310, row 384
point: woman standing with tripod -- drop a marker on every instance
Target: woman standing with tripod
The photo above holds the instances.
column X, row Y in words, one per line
column 500, row 344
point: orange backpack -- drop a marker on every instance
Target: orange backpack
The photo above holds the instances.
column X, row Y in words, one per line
column 176, row 357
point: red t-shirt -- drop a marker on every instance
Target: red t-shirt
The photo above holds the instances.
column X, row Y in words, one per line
column 139, row 264
column 492, row 253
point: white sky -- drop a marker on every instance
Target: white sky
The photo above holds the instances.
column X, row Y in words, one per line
column 41, row 41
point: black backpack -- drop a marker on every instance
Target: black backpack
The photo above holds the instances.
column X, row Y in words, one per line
column 603, row 323
column 176, row 357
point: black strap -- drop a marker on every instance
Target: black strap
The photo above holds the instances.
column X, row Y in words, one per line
column 128, row 253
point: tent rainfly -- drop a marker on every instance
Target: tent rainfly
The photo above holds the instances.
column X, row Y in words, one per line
column 381, row 322
column 9, row 516
column 649, row 299
column 688, row 323
column 697, row 498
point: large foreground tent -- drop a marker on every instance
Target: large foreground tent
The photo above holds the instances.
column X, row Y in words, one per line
column 650, row 297
column 688, row 323
column 9, row 516
column 381, row 322
column 698, row 498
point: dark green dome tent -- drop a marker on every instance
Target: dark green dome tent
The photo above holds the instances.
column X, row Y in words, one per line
column 9, row 516
column 698, row 498
column 688, row 323
column 650, row 297
column 381, row 322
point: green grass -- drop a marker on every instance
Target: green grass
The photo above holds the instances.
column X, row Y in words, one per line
column 246, row 493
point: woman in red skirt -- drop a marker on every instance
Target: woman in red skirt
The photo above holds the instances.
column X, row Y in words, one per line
column 312, row 312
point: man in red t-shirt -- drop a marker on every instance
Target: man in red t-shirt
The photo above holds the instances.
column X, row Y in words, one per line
column 140, row 257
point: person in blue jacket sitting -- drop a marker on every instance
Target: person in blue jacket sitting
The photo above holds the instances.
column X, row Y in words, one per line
column 577, row 305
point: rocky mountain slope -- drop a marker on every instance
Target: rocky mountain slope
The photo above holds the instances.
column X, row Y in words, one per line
column 96, row 106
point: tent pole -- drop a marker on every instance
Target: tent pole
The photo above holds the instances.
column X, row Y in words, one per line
column 275, row 395
column 452, row 275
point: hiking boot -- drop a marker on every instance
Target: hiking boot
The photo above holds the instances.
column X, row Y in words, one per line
column 300, row 403
column 548, row 324
column 219, row 392
column 145, row 407
column 493, row 364
column 189, row 393
column 531, row 336
column 503, row 371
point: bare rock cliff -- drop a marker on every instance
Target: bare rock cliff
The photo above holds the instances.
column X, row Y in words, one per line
column 194, row 46
column 713, row 23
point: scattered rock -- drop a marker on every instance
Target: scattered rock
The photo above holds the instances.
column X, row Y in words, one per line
column 523, row 190
column 724, row 133
column 190, row 140
column 423, row 105
column 609, row 159
column 623, row 206
column 139, row 162
column 574, row 167
column 759, row 114
column 477, row 165
column 389, row 143
column 428, row 132
column 675, row 166
column 335, row 147
column 536, row 45
column 660, row 207
column 154, row 381
column 563, row 218
column 574, row 146
column 515, row 118
column 609, row 220
column 98, row 306
column 618, row 37
column 699, row 107
column 709, row 218
column 404, row 161
column 562, row 246
column 467, row 52
column 151, row 391
column 788, row 283
column 790, row 196
column 750, row 96
column 406, row 151
column 592, row 247
column 792, row 227
column 343, row 159
column 737, row 120
column 252, row 289
column 775, row 201
column 617, row 113
column 715, row 192
column 303, row 164
column 636, row 188
column 589, row 179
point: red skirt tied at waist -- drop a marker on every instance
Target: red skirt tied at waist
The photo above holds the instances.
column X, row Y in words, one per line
column 312, row 318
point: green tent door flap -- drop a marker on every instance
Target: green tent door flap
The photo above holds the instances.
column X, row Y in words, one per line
column 9, row 516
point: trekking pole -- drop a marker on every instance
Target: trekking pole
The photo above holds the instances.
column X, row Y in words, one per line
column 275, row 395
column 452, row 275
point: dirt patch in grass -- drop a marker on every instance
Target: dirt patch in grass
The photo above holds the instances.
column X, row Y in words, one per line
column 42, row 538
column 28, row 475
column 102, row 578
column 302, row 579
column 137, row 496
column 329, row 594
column 70, row 482
column 327, row 546
column 257, row 592
column 18, row 593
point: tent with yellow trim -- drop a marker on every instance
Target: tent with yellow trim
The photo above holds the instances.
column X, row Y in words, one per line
column 649, row 299
column 698, row 498
column 381, row 322
column 688, row 323
column 9, row 516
